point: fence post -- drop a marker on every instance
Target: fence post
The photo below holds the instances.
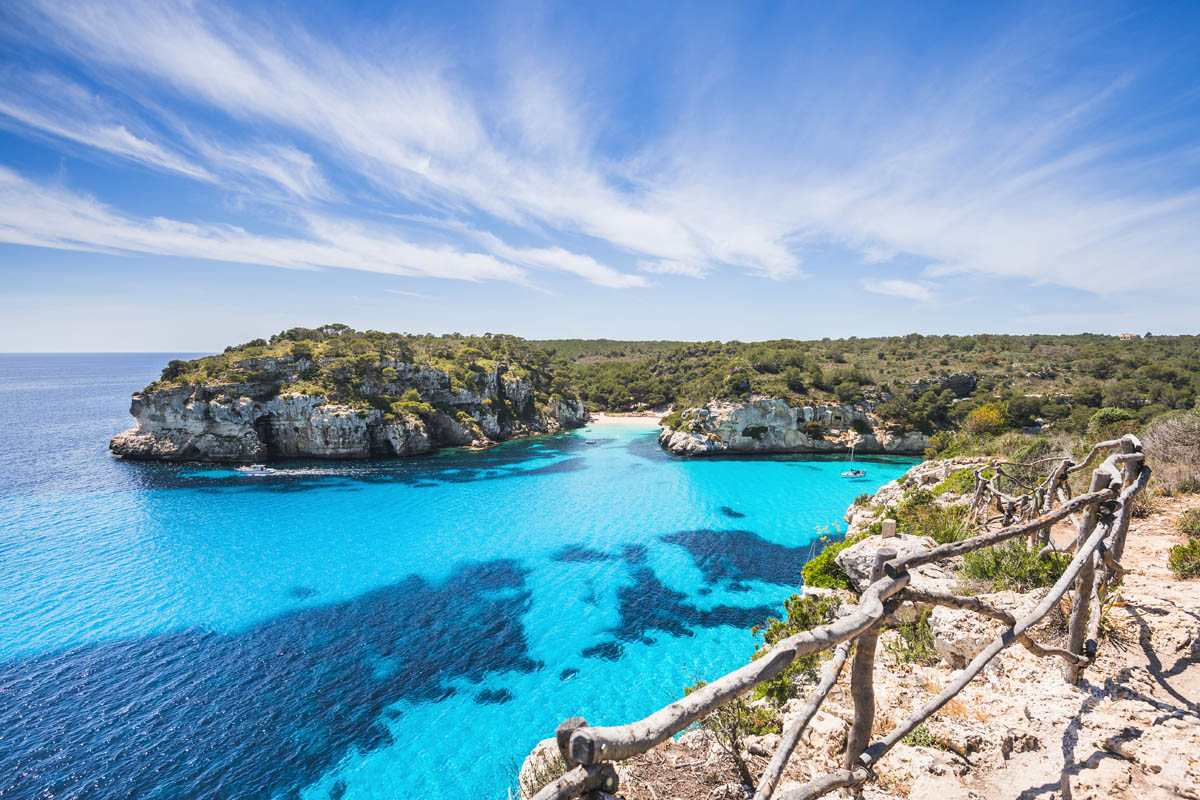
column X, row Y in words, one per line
column 1129, row 474
column 1077, row 630
column 862, row 675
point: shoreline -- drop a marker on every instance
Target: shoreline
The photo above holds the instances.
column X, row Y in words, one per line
column 632, row 418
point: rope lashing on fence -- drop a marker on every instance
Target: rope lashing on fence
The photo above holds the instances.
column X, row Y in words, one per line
column 1101, row 525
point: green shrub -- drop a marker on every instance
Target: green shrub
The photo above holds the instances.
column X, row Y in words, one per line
column 986, row 420
column 409, row 408
column 914, row 644
column 802, row 613
column 1189, row 523
column 1106, row 418
column 822, row 571
column 174, row 368
column 921, row 736
column 860, row 426
column 755, row 432
column 942, row 444
column 813, row 430
column 674, row 420
column 918, row 515
column 1184, row 559
column 960, row 482
column 732, row 723
column 1014, row 566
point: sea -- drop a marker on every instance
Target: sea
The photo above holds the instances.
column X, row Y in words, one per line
column 404, row 628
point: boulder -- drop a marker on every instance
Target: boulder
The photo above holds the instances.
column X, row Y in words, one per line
column 960, row 635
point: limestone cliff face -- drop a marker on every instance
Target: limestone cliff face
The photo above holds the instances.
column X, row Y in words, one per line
column 253, row 422
column 770, row 425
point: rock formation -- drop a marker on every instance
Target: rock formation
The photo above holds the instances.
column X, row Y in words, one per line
column 770, row 425
column 255, row 421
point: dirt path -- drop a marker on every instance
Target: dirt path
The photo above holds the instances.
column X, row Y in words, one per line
column 1134, row 731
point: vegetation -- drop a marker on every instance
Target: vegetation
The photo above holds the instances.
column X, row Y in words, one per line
column 543, row 773
column 731, row 723
column 802, row 613
column 822, row 571
column 921, row 736
column 1079, row 385
column 1172, row 443
column 1014, row 566
column 914, row 642
column 1184, row 559
column 360, row 368
column 1062, row 380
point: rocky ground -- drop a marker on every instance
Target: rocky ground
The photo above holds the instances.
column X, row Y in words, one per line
column 1019, row 731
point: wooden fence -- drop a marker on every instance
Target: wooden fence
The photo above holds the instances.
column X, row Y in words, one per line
column 1101, row 518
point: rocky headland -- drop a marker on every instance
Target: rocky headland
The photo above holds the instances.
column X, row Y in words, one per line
column 763, row 424
column 299, row 400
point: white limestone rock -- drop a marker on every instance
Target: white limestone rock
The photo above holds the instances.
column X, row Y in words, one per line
column 769, row 425
column 240, row 422
column 543, row 762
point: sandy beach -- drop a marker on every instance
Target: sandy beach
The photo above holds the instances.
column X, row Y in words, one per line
column 636, row 418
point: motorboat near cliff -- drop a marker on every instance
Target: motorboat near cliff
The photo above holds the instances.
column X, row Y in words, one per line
column 256, row 469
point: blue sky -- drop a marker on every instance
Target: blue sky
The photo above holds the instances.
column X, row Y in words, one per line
column 181, row 176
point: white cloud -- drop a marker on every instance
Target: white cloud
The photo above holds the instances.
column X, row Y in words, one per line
column 33, row 214
column 59, row 108
column 899, row 288
column 403, row 293
column 670, row 267
column 965, row 168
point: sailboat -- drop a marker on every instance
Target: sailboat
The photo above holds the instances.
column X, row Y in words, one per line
column 852, row 471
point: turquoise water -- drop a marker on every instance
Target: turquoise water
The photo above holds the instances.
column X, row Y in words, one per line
column 387, row 629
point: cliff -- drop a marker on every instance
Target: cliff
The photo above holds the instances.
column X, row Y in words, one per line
column 769, row 425
column 324, row 400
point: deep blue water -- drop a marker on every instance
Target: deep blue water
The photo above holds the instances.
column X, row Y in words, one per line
column 405, row 628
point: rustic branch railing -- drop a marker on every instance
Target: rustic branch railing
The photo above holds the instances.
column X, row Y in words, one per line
column 1103, row 521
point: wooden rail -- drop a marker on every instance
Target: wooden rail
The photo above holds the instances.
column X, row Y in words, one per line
column 1101, row 518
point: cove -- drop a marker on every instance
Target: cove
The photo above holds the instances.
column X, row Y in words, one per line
column 361, row 629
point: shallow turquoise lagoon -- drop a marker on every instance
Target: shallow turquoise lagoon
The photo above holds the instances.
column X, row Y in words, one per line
column 369, row 630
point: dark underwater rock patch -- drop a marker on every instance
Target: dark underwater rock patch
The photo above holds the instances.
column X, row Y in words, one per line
column 575, row 553
column 301, row 592
column 569, row 672
column 649, row 605
column 608, row 651
column 634, row 553
column 262, row 712
column 732, row 513
column 494, row 697
column 741, row 556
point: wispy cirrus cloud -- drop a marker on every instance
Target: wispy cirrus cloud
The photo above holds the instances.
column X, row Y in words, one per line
column 960, row 165
column 898, row 288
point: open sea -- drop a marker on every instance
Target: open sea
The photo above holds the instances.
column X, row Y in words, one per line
column 377, row 629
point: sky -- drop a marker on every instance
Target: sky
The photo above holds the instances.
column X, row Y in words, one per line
column 180, row 176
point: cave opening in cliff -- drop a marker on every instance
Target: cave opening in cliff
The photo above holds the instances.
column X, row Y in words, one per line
column 264, row 427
